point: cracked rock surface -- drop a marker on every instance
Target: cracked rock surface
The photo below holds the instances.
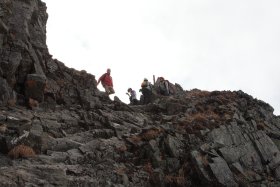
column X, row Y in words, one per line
column 58, row 129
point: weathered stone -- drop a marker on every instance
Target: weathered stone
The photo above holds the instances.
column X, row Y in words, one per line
column 82, row 138
column 277, row 173
column 20, row 124
column 172, row 164
column 33, row 104
column 199, row 166
column 158, row 178
column 204, row 132
column 119, row 129
column 36, row 128
column 172, row 146
column 5, row 92
column 75, row 156
column 268, row 151
column 10, row 62
column 57, row 157
column 34, row 87
column 231, row 154
column 104, row 133
column 237, row 168
column 153, row 153
column 222, row 172
column 1, row 46
column 173, row 108
column 50, row 124
column 88, row 100
column 221, row 136
column 3, row 117
column 250, row 158
column 3, row 145
column 63, row 144
column 90, row 146
column 3, row 27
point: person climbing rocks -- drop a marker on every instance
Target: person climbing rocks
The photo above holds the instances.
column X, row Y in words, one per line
column 132, row 96
column 163, row 87
column 146, row 89
column 107, row 82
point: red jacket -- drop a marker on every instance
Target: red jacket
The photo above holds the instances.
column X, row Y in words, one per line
column 106, row 79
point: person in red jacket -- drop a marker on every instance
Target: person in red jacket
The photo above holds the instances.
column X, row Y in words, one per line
column 107, row 82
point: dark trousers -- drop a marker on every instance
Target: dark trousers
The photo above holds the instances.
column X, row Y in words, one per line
column 133, row 101
column 147, row 94
column 163, row 92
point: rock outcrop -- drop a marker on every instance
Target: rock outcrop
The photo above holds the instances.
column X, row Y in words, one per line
column 27, row 70
column 58, row 129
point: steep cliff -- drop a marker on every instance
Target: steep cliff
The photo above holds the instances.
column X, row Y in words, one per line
column 27, row 70
column 58, row 129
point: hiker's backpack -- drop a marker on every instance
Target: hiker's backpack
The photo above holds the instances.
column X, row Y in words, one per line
column 172, row 89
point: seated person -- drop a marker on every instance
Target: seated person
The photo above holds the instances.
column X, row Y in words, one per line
column 163, row 87
column 132, row 96
column 146, row 91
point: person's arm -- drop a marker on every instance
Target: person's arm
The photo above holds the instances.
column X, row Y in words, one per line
column 101, row 78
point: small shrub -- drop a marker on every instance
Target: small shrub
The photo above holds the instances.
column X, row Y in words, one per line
column 189, row 129
column 148, row 168
column 198, row 93
column 204, row 160
column 120, row 170
column 11, row 102
column 177, row 180
column 199, row 118
column 151, row 134
column 198, row 126
column 3, row 128
column 261, row 126
column 121, row 148
column 21, row 151
column 33, row 103
column 135, row 139
column 31, row 83
column 60, row 82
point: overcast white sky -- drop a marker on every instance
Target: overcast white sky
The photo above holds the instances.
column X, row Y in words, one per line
column 204, row 44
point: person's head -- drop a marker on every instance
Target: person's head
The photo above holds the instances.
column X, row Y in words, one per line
column 161, row 79
column 129, row 89
column 108, row 70
column 145, row 79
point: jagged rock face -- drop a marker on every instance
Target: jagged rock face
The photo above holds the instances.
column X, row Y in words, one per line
column 26, row 67
column 82, row 138
column 23, row 42
column 194, row 138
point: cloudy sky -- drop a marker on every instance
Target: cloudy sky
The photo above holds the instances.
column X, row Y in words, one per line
column 209, row 45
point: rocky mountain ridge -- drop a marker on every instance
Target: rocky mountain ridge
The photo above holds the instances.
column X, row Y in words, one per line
column 58, row 129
